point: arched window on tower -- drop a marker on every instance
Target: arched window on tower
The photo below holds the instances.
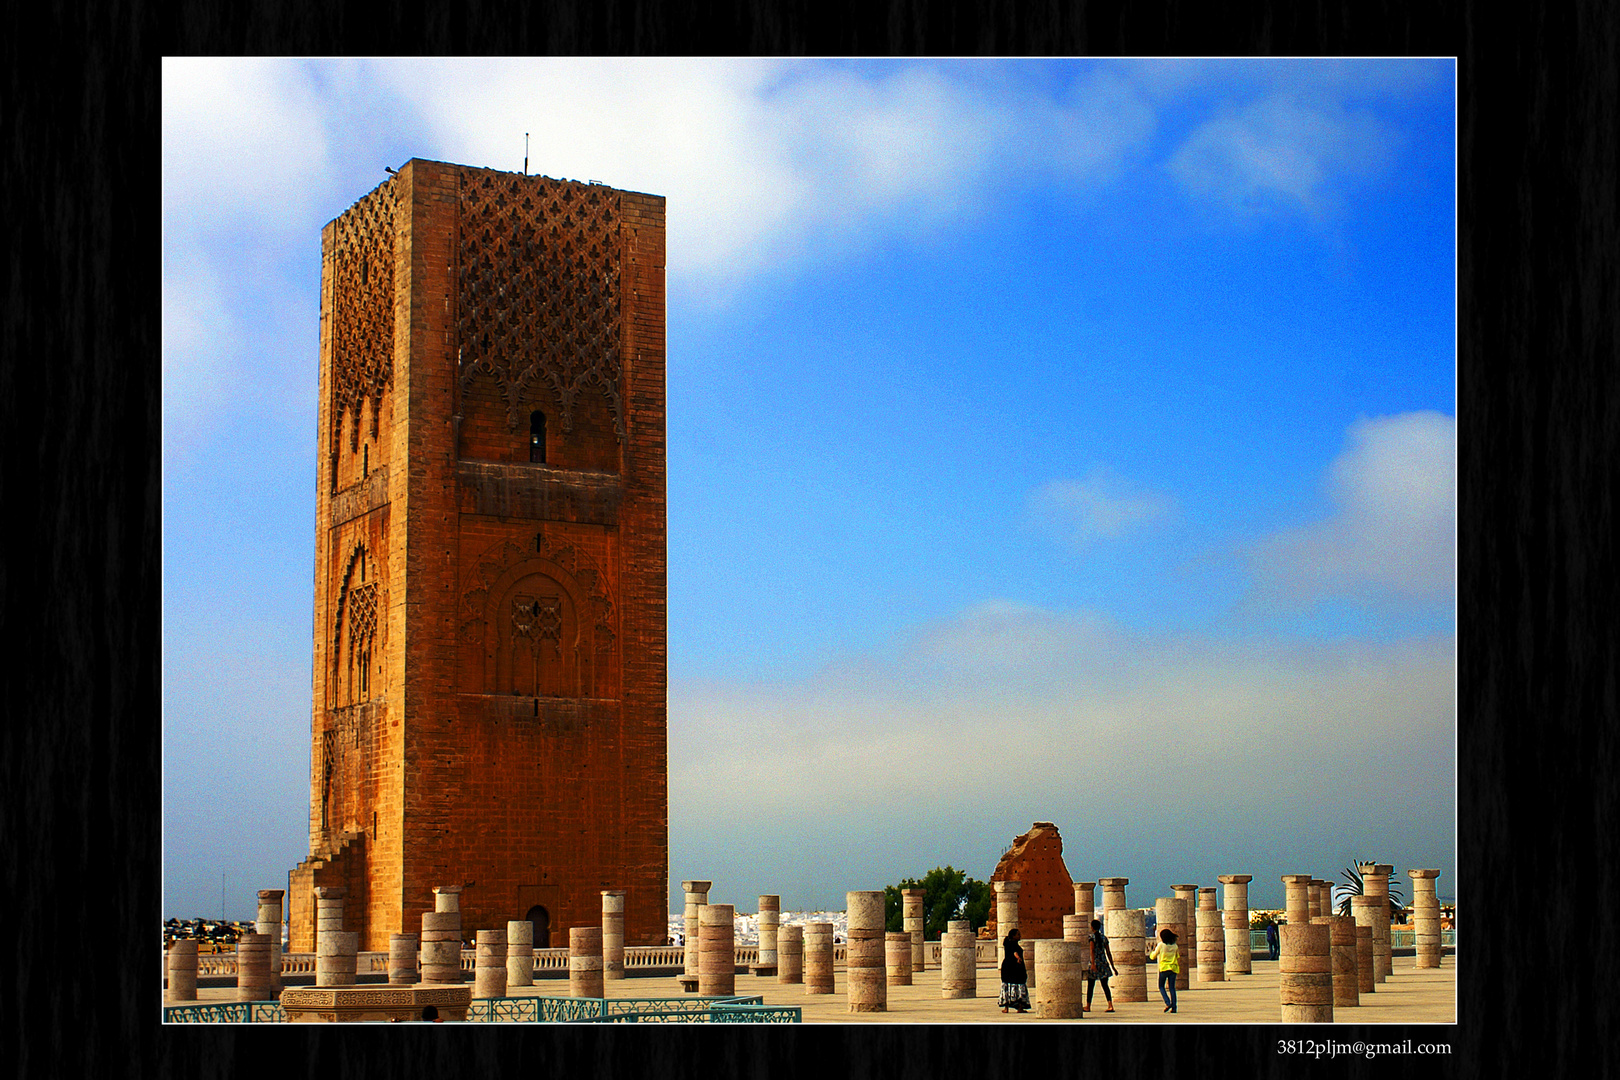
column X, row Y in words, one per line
column 537, row 436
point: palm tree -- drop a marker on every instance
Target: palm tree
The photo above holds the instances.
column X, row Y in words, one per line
column 1356, row 887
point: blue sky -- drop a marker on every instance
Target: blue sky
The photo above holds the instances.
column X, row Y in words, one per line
column 1047, row 440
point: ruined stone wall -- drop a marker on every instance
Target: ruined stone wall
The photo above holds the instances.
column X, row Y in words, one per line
column 1047, row 893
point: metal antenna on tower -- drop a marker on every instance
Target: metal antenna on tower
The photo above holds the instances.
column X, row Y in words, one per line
column 525, row 153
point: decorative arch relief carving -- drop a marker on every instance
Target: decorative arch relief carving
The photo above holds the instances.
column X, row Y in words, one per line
column 538, row 621
column 355, row 629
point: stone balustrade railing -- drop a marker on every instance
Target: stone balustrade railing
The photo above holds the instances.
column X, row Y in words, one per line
column 636, row 957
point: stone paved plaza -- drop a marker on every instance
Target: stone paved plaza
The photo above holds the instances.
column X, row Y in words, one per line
column 1409, row 996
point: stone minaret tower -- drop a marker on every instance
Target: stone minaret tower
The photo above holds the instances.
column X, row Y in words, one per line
column 489, row 633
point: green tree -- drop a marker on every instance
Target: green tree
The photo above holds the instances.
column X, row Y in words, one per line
column 948, row 893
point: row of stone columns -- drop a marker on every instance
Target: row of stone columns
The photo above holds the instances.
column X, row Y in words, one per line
column 1329, row 960
column 1356, row 956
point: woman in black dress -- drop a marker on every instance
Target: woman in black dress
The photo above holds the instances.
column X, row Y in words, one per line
column 1014, row 978
column 1102, row 966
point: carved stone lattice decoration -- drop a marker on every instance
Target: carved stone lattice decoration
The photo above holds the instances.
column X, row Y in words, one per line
column 548, row 620
column 523, row 609
column 579, row 564
column 362, row 615
column 353, row 569
column 538, row 291
column 363, row 310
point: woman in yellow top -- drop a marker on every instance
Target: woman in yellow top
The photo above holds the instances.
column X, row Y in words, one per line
column 1168, row 954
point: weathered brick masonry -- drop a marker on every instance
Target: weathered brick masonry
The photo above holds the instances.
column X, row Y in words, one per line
column 490, row 647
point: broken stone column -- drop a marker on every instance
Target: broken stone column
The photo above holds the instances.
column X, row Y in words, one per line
column 1077, row 928
column 1305, row 982
column 1369, row 911
column 1170, row 913
column 818, row 958
column 1375, row 882
column 182, row 964
column 1235, row 922
column 717, row 950
column 336, row 952
column 337, row 957
column 441, row 947
column 1188, row 894
column 612, row 933
column 958, row 961
column 1425, row 918
column 520, row 953
column 1297, row 899
column 489, row 964
column 1125, row 928
column 1113, row 897
column 1365, row 981
column 329, row 908
column 770, row 917
column 447, row 898
column 1085, row 901
column 1313, row 898
column 897, row 957
column 1006, row 906
column 863, row 955
column 268, row 922
column 1211, row 938
column 697, row 894
column 790, row 954
column 402, row 959
column 253, row 967
column 911, row 901
column 585, row 962
column 1342, row 958
column 1061, row 990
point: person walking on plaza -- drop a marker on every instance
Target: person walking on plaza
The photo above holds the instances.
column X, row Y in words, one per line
column 1014, row 977
column 1271, row 939
column 1102, row 966
column 1168, row 954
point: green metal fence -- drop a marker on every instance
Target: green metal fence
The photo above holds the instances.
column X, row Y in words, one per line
column 681, row 1010
column 538, row 1010
column 226, row 1012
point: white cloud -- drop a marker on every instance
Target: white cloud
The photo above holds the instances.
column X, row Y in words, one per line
column 1103, row 505
column 242, row 138
column 767, row 162
column 1001, row 635
column 1393, row 531
column 196, row 358
column 1282, row 151
column 1254, row 724
column 245, row 172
